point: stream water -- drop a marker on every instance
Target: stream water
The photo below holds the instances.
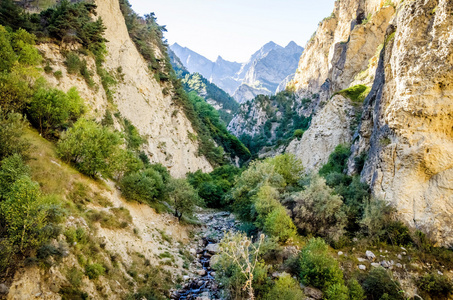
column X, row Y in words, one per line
column 204, row 286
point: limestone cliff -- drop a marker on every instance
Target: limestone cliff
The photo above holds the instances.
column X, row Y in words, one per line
column 138, row 97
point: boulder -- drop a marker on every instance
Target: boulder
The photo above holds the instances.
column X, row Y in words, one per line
column 362, row 267
column 313, row 293
column 213, row 248
column 370, row 255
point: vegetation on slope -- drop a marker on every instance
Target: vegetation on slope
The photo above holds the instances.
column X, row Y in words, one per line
column 282, row 122
column 146, row 33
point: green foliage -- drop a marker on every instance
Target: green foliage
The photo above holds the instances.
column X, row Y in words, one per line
column 202, row 86
column 280, row 225
column 381, row 285
column 281, row 110
column 356, row 93
column 14, row 17
column 24, row 215
column 7, row 55
column 285, row 288
column 337, row 292
column 355, row 290
column 298, row 133
column 73, row 63
column 215, row 128
column 94, row 150
column 265, row 202
column 317, row 267
column 145, row 186
column 51, row 109
column 12, row 168
column 288, row 166
column 93, row 271
column 182, row 196
column 435, row 286
column 133, row 138
column 337, row 160
column 12, row 128
column 317, row 210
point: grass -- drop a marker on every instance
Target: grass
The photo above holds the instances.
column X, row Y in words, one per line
column 356, row 93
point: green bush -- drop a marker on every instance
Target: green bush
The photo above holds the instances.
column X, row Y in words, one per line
column 355, row 290
column 285, row 288
column 298, row 133
column 317, row 267
column 336, row 291
column 380, row 284
column 317, row 210
column 94, row 150
column 12, row 128
column 144, row 187
column 377, row 216
column 356, row 93
column 12, row 168
column 50, row 109
column 288, row 166
column 280, row 225
column 93, row 271
column 337, row 160
column 73, row 63
column 435, row 286
column 58, row 74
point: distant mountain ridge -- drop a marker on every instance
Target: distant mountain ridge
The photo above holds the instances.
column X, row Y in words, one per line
column 266, row 69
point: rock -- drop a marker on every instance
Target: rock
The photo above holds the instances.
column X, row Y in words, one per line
column 185, row 277
column 370, row 255
column 361, row 259
column 340, row 253
column 440, row 273
column 398, row 265
column 213, row 261
column 213, row 248
column 201, row 272
column 3, row 289
column 376, row 265
column 400, row 256
column 385, row 264
column 193, row 251
column 275, row 275
column 213, row 274
column 313, row 293
column 362, row 267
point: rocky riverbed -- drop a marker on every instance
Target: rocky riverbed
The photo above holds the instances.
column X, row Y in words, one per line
column 204, row 286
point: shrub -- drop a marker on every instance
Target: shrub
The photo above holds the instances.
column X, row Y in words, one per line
column 355, row 290
column 380, row 284
column 288, row 166
column 285, row 288
column 58, row 74
column 280, row 225
column 12, row 169
column 434, row 286
column 298, row 133
column 23, row 215
column 7, row 55
column 52, row 108
column 337, row 160
column 317, row 210
column 73, row 63
column 92, row 149
column 377, row 215
column 93, row 271
column 337, row 292
column 317, row 267
column 265, row 202
column 143, row 187
column 12, row 128
column 356, row 93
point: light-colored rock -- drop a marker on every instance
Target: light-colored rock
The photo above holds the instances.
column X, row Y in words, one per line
column 3, row 289
column 398, row 265
column 193, row 251
column 329, row 128
column 340, row 253
column 376, row 265
column 362, row 267
column 213, row 248
column 201, row 272
column 370, row 255
column 361, row 259
column 186, row 277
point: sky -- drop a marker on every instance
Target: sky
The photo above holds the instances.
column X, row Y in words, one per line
column 235, row 29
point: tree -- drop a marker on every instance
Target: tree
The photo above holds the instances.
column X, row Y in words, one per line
column 183, row 197
column 288, row 166
column 12, row 169
column 280, row 225
column 286, row 288
column 317, row 210
column 143, row 186
column 23, row 214
column 90, row 147
column 51, row 108
column 12, row 127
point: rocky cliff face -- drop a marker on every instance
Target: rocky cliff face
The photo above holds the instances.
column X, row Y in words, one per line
column 138, row 97
column 405, row 52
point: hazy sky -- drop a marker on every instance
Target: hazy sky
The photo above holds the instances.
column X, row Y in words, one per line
column 234, row 29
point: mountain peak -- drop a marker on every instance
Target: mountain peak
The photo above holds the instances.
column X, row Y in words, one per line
column 292, row 44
